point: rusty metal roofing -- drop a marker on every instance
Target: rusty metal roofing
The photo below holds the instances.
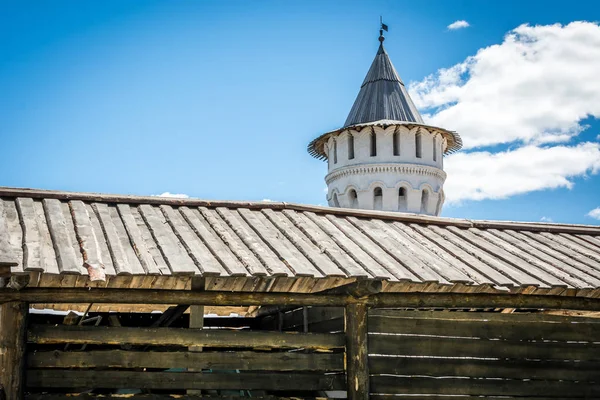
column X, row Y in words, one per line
column 70, row 239
column 382, row 95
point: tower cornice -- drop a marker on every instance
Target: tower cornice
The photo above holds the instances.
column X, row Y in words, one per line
column 394, row 168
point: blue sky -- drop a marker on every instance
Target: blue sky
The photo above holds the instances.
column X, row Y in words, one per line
column 218, row 100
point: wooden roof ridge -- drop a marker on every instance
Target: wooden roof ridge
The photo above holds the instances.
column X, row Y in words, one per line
column 13, row 192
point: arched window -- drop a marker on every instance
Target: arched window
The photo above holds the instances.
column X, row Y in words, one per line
column 334, row 151
column 402, row 202
column 424, row 200
column 373, row 144
column 353, row 198
column 336, row 202
column 418, row 145
column 396, row 144
column 377, row 199
column 350, row 146
column 435, row 148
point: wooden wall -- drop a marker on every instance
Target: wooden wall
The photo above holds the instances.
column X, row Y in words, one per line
column 468, row 354
column 158, row 358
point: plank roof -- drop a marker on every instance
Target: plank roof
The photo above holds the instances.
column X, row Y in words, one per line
column 80, row 239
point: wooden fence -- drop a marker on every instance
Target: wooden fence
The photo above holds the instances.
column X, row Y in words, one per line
column 468, row 354
column 308, row 345
column 158, row 358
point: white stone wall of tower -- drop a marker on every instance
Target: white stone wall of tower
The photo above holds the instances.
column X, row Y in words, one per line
column 394, row 166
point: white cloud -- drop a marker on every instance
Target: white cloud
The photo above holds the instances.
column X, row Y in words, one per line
column 546, row 219
column 269, row 200
column 535, row 87
column 485, row 175
column 175, row 195
column 460, row 24
column 595, row 213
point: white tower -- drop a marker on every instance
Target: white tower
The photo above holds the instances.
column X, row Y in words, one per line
column 385, row 157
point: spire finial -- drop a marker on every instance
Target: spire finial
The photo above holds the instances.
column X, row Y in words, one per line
column 383, row 27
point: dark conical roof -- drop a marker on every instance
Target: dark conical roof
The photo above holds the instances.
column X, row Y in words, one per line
column 382, row 95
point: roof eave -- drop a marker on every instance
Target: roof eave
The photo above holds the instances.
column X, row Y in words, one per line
column 315, row 147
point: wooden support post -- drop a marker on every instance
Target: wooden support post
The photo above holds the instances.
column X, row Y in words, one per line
column 357, row 368
column 196, row 321
column 13, row 327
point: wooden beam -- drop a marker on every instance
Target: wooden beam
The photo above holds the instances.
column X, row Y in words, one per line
column 196, row 322
column 46, row 334
column 357, row 367
column 48, row 378
column 153, row 296
column 157, row 396
column 215, row 360
column 357, row 289
column 13, row 324
column 216, row 298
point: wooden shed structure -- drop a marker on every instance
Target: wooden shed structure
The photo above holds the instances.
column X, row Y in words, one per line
column 149, row 297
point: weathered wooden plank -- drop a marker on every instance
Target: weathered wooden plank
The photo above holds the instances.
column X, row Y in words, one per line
column 479, row 368
column 137, row 240
column 434, row 262
column 357, row 368
column 506, row 330
column 432, row 252
column 370, row 265
column 44, row 334
column 155, row 396
column 13, row 324
column 450, row 386
column 63, row 246
column 410, row 268
column 541, row 264
column 487, row 258
column 325, row 244
column 176, row 256
column 551, row 245
column 153, row 249
column 69, row 280
column 239, row 360
column 224, row 298
column 386, row 263
column 325, row 265
column 500, row 253
column 595, row 240
column 237, row 246
column 582, row 278
column 32, row 246
column 117, row 252
column 217, row 246
column 405, row 250
column 572, row 245
column 11, row 250
column 88, row 242
column 260, row 249
column 459, row 397
column 183, row 380
column 203, row 258
column 278, row 242
column 431, row 346
column 532, row 316
column 592, row 247
column 473, row 263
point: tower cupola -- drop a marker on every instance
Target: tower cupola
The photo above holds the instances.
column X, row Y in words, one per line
column 385, row 157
